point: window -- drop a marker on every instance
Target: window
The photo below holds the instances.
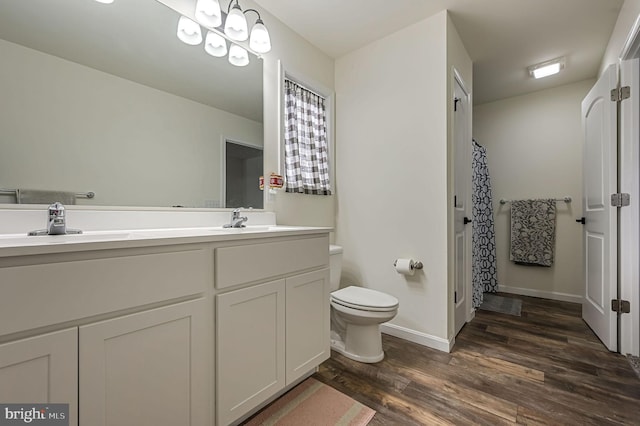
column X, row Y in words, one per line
column 305, row 140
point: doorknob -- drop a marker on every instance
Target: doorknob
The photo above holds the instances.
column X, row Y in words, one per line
column 582, row 220
column 467, row 220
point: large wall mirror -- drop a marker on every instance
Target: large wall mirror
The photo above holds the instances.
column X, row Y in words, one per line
column 105, row 98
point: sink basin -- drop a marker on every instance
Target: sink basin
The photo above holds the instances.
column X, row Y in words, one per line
column 243, row 230
column 85, row 237
column 19, row 240
column 176, row 232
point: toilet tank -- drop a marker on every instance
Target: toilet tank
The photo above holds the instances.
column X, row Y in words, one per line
column 335, row 266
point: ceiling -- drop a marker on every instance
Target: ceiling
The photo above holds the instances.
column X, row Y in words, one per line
column 503, row 37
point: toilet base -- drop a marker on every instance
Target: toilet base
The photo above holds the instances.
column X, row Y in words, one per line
column 363, row 345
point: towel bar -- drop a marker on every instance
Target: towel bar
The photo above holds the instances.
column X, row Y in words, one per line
column 89, row 194
column 565, row 199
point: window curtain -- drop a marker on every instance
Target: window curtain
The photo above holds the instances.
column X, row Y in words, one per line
column 305, row 139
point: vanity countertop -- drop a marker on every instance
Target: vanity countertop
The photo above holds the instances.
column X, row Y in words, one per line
column 21, row 244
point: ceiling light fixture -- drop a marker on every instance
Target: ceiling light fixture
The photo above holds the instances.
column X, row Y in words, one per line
column 222, row 27
column 189, row 32
column 545, row 69
column 208, row 13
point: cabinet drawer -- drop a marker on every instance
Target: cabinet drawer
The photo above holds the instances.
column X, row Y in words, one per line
column 44, row 294
column 248, row 263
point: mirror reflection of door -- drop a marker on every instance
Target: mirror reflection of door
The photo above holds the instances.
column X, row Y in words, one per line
column 243, row 168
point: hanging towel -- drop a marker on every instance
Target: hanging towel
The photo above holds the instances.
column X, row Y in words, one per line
column 533, row 231
column 35, row 196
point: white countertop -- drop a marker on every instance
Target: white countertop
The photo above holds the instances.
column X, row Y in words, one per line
column 21, row 244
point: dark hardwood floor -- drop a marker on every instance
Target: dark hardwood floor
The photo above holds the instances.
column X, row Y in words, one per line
column 545, row 367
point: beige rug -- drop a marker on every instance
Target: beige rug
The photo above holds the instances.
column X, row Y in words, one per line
column 313, row 403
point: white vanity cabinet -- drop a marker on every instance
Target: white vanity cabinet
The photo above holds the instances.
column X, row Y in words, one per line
column 147, row 368
column 307, row 325
column 41, row 369
column 274, row 330
column 135, row 344
column 250, row 356
column 189, row 330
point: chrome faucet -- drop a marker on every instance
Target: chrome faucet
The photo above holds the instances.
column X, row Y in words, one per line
column 237, row 221
column 56, row 222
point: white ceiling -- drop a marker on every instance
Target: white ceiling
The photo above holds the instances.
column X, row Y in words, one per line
column 503, row 37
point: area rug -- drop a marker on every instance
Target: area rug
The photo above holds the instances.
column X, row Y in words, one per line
column 503, row 305
column 635, row 364
column 313, row 403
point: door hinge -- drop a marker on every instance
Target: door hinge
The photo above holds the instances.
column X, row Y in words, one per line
column 620, row 306
column 455, row 297
column 620, row 200
column 620, row 94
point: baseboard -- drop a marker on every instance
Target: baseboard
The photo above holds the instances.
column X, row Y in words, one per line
column 564, row 297
column 417, row 337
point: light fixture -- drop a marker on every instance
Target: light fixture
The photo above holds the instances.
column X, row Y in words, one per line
column 215, row 44
column 222, row 27
column 238, row 56
column 189, row 32
column 236, row 24
column 105, row 1
column 545, row 69
column 259, row 39
column 208, row 13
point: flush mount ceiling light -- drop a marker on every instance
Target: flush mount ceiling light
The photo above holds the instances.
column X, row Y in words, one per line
column 545, row 69
column 222, row 27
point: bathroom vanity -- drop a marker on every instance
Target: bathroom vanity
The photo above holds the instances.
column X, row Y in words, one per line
column 162, row 327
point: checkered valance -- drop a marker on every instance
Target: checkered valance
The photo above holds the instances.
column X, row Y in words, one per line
column 305, row 137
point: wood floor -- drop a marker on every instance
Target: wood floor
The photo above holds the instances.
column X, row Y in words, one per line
column 545, row 367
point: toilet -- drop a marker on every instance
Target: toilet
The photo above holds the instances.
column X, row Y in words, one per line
column 356, row 315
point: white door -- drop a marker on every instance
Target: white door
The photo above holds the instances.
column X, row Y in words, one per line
column 630, row 215
column 462, row 198
column 599, row 126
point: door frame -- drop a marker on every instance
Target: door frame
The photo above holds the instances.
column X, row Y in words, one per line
column 469, row 312
column 629, row 181
column 223, row 166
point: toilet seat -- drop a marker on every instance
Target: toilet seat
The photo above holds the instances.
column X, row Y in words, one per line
column 364, row 299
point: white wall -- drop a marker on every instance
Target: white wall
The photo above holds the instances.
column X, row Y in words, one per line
column 534, row 150
column 307, row 61
column 626, row 18
column 58, row 117
column 458, row 60
column 392, row 191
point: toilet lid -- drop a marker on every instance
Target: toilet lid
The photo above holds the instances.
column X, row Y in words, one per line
column 364, row 298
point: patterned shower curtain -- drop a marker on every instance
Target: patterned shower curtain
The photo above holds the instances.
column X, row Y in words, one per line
column 484, row 269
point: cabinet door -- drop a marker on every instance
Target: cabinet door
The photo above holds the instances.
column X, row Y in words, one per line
column 250, row 348
column 41, row 369
column 148, row 368
column 307, row 323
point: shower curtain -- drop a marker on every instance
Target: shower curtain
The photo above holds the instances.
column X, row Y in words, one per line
column 484, row 268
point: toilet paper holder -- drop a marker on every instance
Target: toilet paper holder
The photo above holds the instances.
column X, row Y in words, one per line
column 416, row 264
